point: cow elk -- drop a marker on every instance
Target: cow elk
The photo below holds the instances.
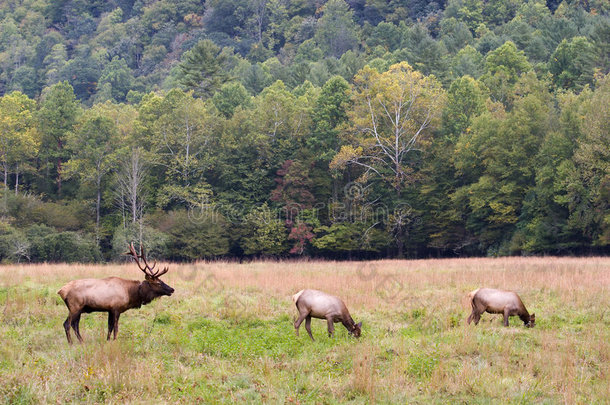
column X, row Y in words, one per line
column 316, row 304
column 494, row 301
column 113, row 295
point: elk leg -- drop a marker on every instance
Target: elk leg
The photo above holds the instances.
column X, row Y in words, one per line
column 110, row 324
column 116, row 323
column 471, row 317
column 308, row 326
column 67, row 328
column 331, row 327
column 506, row 315
column 477, row 317
column 75, row 326
column 297, row 323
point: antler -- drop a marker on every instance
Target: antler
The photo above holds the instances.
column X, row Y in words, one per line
column 147, row 269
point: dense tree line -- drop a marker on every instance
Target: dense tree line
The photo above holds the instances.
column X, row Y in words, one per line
column 232, row 128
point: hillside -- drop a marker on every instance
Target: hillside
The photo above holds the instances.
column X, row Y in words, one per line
column 340, row 129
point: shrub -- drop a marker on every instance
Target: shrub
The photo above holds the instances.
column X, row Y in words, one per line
column 14, row 245
column 265, row 234
column 28, row 209
column 194, row 236
column 65, row 247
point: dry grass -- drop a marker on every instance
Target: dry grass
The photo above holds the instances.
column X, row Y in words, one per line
column 226, row 335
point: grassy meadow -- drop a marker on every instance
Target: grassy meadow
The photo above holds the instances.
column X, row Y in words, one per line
column 227, row 335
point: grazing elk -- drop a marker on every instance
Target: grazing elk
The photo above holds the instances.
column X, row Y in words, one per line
column 494, row 301
column 316, row 304
column 113, row 295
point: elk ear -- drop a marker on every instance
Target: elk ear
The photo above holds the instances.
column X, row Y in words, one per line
column 359, row 324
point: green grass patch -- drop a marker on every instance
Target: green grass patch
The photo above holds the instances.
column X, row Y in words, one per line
column 193, row 348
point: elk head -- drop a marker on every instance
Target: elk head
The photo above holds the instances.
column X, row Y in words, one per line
column 357, row 330
column 155, row 287
column 532, row 321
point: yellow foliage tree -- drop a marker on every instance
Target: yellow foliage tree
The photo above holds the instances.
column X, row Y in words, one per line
column 19, row 141
column 394, row 112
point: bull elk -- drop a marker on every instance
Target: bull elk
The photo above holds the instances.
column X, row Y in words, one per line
column 494, row 301
column 316, row 304
column 112, row 294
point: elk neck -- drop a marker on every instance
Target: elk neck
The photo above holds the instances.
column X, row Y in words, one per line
column 348, row 322
column 140, row 293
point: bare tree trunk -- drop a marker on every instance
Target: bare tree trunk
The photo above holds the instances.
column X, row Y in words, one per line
column 123, row 209
column 98, row 202
column 60, row 146
column 141, row 229
column 130, row 182
column 134, row 201
column 58, row 176
column 17, row 180
column 5, row 196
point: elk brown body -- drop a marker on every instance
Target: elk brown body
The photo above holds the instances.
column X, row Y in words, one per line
column 317, row 304
column 113, row 295
column 495, row 301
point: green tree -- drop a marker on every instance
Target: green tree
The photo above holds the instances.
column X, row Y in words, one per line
column 468, row 11
column 94, row 145
column 54, row 62
column 468, row 61
column 19, row 140
column 329, row 114
column 465, row 100
column 283, row 119
column 543, row 222
column 336, row 32
column 572, row 63
column 83, row 70
column 265, row 234
column 384, row 34
column 498, row 12
column 182, row 140
column 421, row 51
column 203, row 69
column 504, row 66
column 229, row 97
column 588, row 185
column 498, row 159
column 509, row 60
column 455, row 34
column 443, row 223
column 56, row 118
column 119, row 76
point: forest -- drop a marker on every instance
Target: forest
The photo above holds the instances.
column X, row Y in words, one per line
column 306, row 128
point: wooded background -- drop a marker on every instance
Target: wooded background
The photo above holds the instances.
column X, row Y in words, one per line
column 338, row 129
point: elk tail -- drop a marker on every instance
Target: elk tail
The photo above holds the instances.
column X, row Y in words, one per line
column 470, row 296
column 296, row 296
column 63, row 291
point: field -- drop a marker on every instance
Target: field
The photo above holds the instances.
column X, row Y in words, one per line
column 226, row 335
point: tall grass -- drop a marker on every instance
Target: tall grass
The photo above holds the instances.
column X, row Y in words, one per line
column 226, row 335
